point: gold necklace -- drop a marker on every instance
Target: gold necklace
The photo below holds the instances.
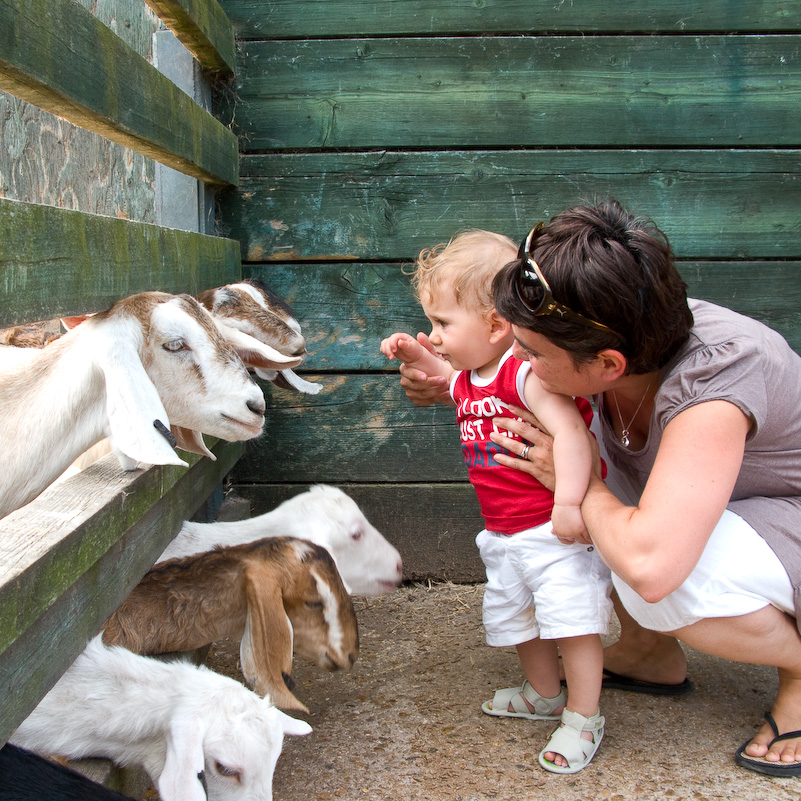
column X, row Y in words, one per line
column 625, row 440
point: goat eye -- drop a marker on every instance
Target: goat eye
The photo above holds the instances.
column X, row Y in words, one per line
column 314, row 604
column 174, row 345
column 223, row 770
column 357, row 534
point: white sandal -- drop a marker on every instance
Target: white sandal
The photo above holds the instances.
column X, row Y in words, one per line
column 517, row 697
column 567, row 741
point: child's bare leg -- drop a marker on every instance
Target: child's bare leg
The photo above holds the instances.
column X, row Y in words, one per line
column 539, row 660
column 583, row 661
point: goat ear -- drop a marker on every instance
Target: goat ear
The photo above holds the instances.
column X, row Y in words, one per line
column 184, row 760
column 266, row 647
column 134, row 407
column 189, row 440
column 286, row 379
column 255, row 353
column 293, row 726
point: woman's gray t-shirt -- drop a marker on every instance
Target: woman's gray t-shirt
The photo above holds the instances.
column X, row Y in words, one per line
column 734, row 358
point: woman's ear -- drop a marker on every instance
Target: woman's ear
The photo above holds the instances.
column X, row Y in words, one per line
column 499, row 327
column 611, row 363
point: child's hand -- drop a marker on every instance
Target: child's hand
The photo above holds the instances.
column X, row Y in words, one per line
column 403, row 346
column 568, row 525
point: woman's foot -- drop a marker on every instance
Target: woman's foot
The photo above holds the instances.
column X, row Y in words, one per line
column 658, row 659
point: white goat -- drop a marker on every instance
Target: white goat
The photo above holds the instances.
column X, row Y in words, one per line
column 251, row 307
column 150, row 362
column 278, row 594
column 179, row 722
column 368, row 564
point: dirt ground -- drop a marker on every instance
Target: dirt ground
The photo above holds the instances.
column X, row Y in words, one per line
column 405, row 724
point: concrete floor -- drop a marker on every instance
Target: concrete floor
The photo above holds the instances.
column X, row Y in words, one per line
column 406, row 725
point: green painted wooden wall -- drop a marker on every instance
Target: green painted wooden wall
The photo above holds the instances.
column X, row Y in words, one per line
column 370, row 130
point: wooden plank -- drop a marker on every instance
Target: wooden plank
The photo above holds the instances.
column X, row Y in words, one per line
column 71, row 556
column 58, row 56
column 346, row 309
column 258, row 19
column 203, row 29
column 728, row 204
column 514, row 91
column 359, row 428
column 433, row 526
column 55, row 262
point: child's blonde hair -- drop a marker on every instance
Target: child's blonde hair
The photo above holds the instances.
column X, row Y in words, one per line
column 468, row 262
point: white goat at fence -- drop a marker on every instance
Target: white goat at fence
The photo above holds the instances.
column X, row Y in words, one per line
column 177, row 721
column 368, row 564
column 278, row 595
column 151, row 362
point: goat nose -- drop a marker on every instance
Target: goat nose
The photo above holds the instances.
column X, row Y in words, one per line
column 257, row 407
column 352, row 659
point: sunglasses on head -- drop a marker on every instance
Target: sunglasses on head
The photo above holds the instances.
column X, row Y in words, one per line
column 534, row 293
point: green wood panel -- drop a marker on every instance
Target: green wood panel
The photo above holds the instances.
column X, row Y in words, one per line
column 56, row 55
column 360, row 427
column 346, row 309
column 513, row 91
column 390, row 205
column 71, row 556
column 258, row 19
column 433, row 526
column 56, row 262
column 203, row 29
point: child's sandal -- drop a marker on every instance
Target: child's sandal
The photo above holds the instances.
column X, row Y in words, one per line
column 568, row 742
column 516, row 697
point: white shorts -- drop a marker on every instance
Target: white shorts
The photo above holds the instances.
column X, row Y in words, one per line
column 537, row 587
column 738, row 573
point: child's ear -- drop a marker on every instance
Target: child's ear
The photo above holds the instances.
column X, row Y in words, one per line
column 499, row 327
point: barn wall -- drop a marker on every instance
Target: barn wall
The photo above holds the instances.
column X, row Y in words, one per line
column 369, row 131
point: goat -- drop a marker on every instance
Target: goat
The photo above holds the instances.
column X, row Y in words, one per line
column 264, row 592
column 150, row 361
column 181, row 723
column 25, row 776
column 251, row 307
column 368, row 564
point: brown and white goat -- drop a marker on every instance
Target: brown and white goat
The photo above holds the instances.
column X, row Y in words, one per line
column 251, row 307
column 150, row 362
column 267, row 592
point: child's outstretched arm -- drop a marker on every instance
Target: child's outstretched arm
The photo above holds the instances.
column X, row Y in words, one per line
column 412, row 353
column 572, row 455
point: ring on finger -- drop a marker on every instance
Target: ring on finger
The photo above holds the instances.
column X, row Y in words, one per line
column 524, row 452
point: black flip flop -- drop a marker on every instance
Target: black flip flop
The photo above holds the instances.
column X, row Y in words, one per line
column 614, row 681
column 760, row 764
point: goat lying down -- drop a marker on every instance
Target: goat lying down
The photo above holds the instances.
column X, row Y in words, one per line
column 25, row 776
column 184, row 725
column 264, row 592
column 150, row 363
column 325, row 515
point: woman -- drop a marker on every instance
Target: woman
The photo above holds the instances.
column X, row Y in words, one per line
column 700, row 422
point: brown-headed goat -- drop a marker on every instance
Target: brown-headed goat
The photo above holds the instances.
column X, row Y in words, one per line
column 264, row 592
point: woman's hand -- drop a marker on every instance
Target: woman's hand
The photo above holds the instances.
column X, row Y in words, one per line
column 423, row 389
column 536, row 446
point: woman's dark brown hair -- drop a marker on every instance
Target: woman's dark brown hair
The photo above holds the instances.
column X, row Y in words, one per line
column 613, row 267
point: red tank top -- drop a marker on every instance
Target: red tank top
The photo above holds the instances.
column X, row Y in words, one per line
column 510, row 500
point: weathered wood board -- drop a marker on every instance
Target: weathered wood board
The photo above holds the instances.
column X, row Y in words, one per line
column 347, row 308
column 55, row 262
column 49, row 52
column 285, row 19
column 70, row 557
column 727, row 204
column 513, row 91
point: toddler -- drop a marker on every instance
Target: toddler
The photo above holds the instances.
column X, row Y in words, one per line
column 546, row 594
